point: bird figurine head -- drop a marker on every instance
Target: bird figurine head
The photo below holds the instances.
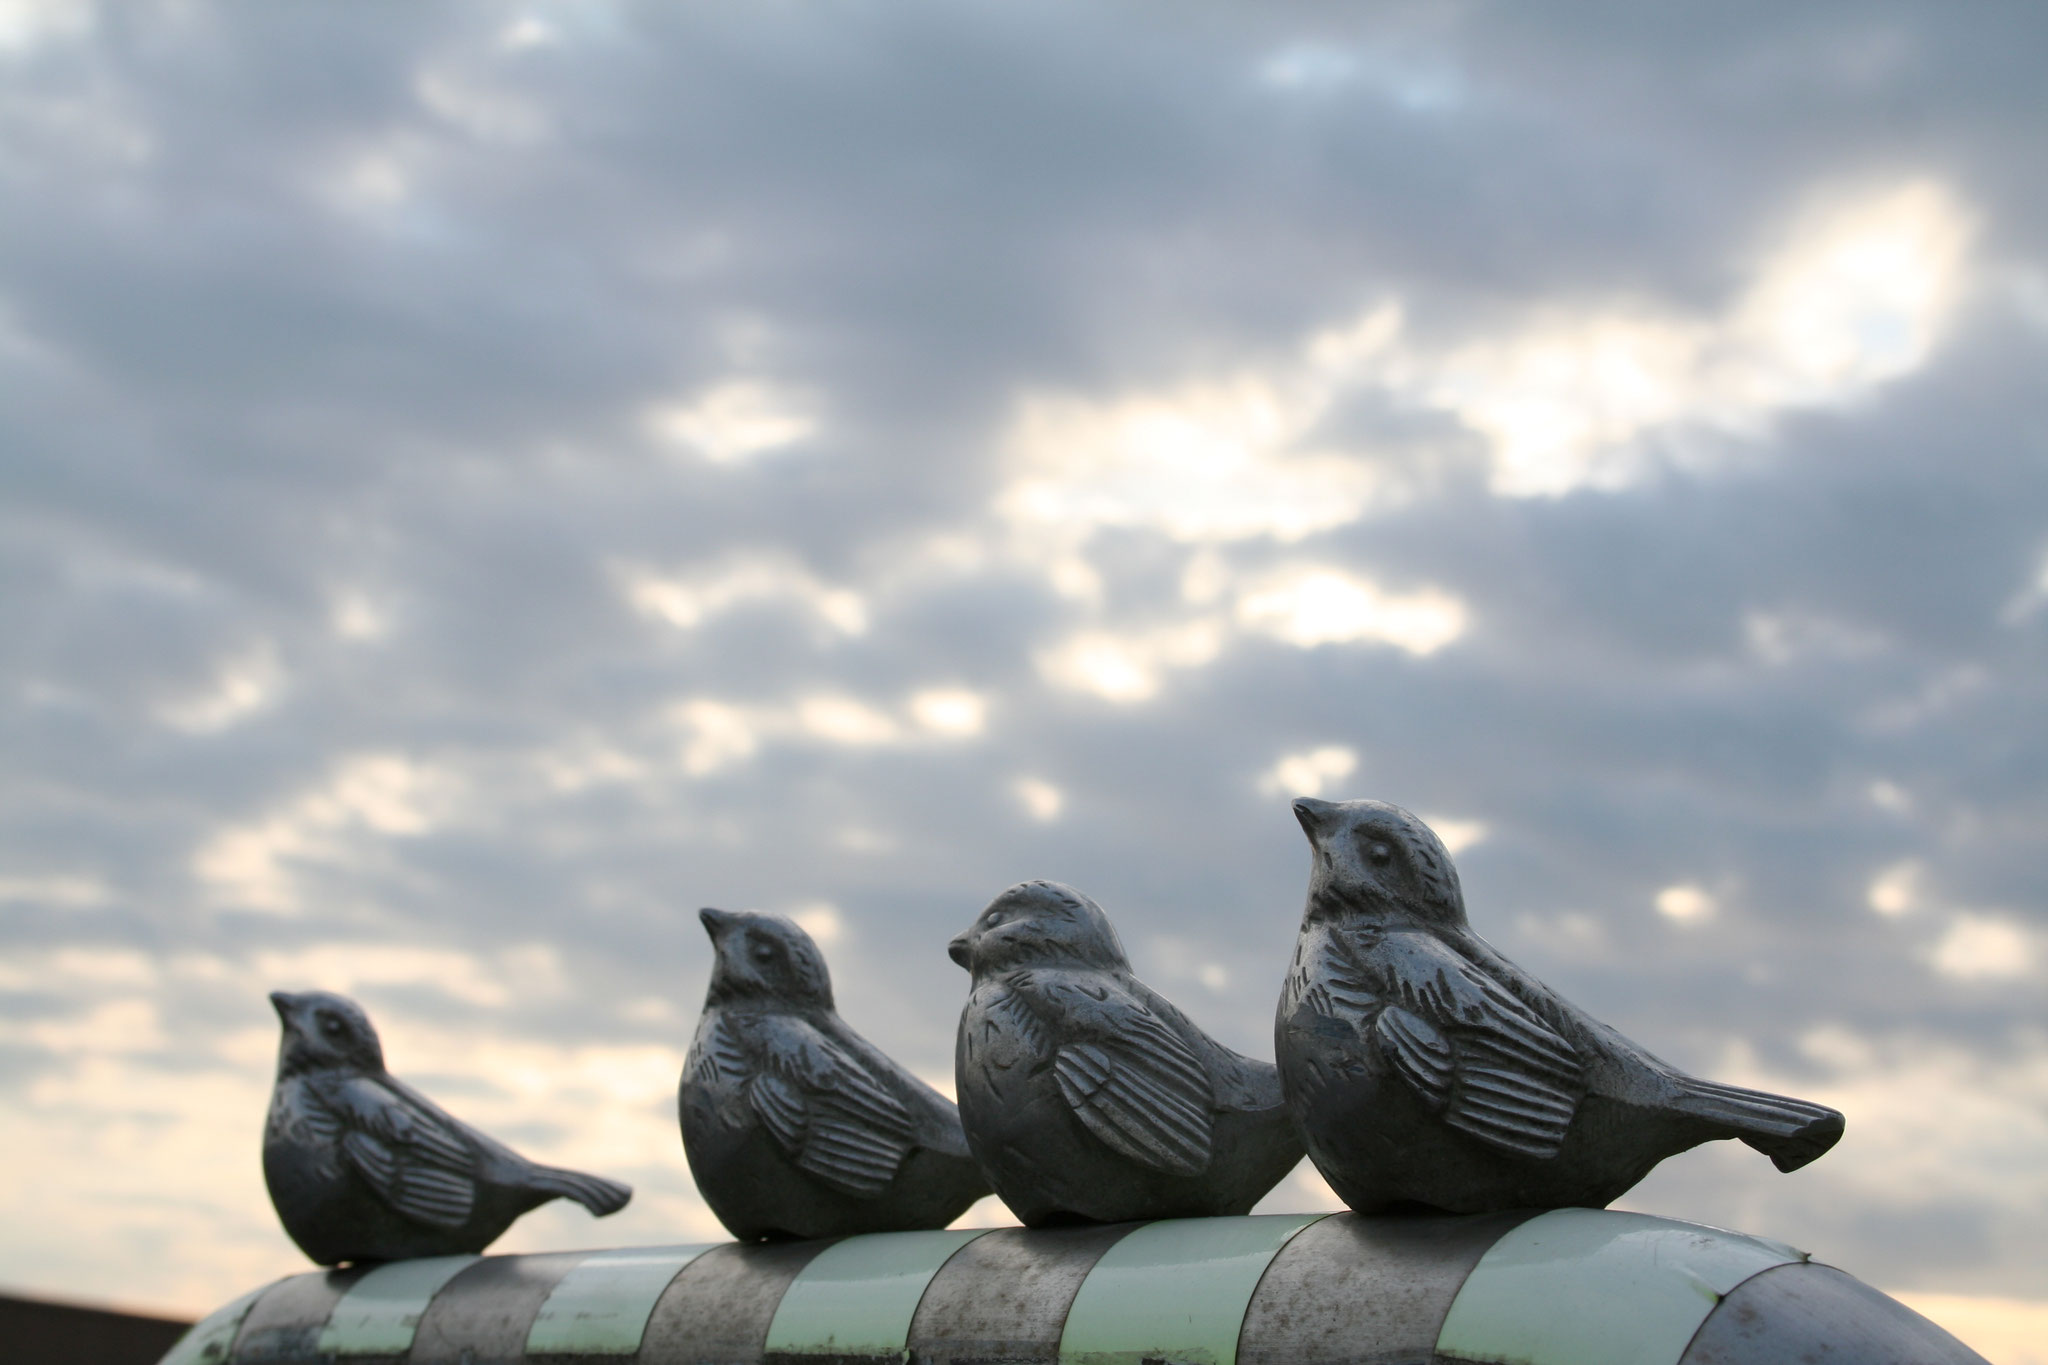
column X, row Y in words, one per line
column 322, row 1030
column 1375, row 859
column 764, row 959
column 1039, row 924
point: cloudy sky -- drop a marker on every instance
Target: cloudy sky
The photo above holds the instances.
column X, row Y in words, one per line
column 482, row 481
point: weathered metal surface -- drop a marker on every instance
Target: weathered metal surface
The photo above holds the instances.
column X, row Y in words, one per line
column 1005, row 1296
column 1566, row 1287
column 859, row 1296
column 286, row 1321
column 601, row 1307
column 211, row 1340
column 1807, row 1314
column 1597, row 1287
column 1424, row 1069
column 718, row 1310
column 1365, row 1291
column 1175, row 1291
column 486, row 1312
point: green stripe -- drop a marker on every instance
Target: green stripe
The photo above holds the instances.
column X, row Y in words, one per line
column 1175, row 1290
column 1598, row 1287
column 601, row 1306
column 381, row 1310
column 211, row 1338
column 857, row 1297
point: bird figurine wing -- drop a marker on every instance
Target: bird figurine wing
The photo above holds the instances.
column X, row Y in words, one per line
column 1130, row 1078
column 1469, row 1048
column 413, row 1155
column 834, row 1118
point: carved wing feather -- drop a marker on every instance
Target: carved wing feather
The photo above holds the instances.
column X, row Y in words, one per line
column 1136, row 1085
column 1420, row 1052
column 832, row 1118
column 1467, row 1046
column 405, row 1152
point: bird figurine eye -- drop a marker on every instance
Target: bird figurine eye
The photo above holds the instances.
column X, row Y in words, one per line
column 331, row 1026
column 764, row 952
column 1380, row 854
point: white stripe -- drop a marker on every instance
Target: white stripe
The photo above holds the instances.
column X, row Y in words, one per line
column 602, row 1305
column 1175, row 1290
column 381, row 1311
column 1598, row 1287
column 857, row 1297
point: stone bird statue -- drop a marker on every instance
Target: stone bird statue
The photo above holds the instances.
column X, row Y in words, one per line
column 1087, row 1096
column 362, row 1167
column 1425, row 1069
column 795, row 1125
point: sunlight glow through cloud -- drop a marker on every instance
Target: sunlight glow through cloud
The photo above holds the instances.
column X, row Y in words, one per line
column 1320, row 606
column 1127, row 667
column 255, row 866
column 1686, row 903
column 1041, row 800
column 1578, row 394
column 1310, row 772
column 687, row 601
column 950, row 711
column 734, row 421
column 1985, row 948
column 246, row 684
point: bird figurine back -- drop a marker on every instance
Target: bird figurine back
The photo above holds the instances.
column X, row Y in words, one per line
column 1426, row 1070
column 795, row 1125
column 362, row 1167
column 1088, row 1097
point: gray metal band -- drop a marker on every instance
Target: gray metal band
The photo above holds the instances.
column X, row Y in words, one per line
column 1005, row 1296
column 486, row 1311
column 212, row 1339
column 718, row 1310
column 1365, row 1291
column 286, row 1322
column 1800, row 1313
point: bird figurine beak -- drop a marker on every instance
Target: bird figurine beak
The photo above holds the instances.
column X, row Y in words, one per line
column 1311, row 813
column 716, row 922
column 960, row 952
column 284, row 1002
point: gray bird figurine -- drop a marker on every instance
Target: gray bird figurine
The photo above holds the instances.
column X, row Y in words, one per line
column 1087, row 1096
column 1426, row 1070
column 362, row 1167
column 795, row 1125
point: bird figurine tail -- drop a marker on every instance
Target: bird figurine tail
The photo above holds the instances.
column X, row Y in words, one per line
column 1790, row 1132
column 593, row 1192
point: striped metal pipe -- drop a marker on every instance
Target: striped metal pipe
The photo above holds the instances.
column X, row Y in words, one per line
column 1567, row 1287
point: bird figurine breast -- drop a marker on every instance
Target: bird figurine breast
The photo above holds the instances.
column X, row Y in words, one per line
column 795, row 1125
column 1087, row 1096
column 362, row 1167
column 1426, row 1070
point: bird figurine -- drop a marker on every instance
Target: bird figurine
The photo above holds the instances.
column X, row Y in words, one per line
column 795, row 1125
column 362, row 1167
column 1426, row 1070
column 1088, row 1097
